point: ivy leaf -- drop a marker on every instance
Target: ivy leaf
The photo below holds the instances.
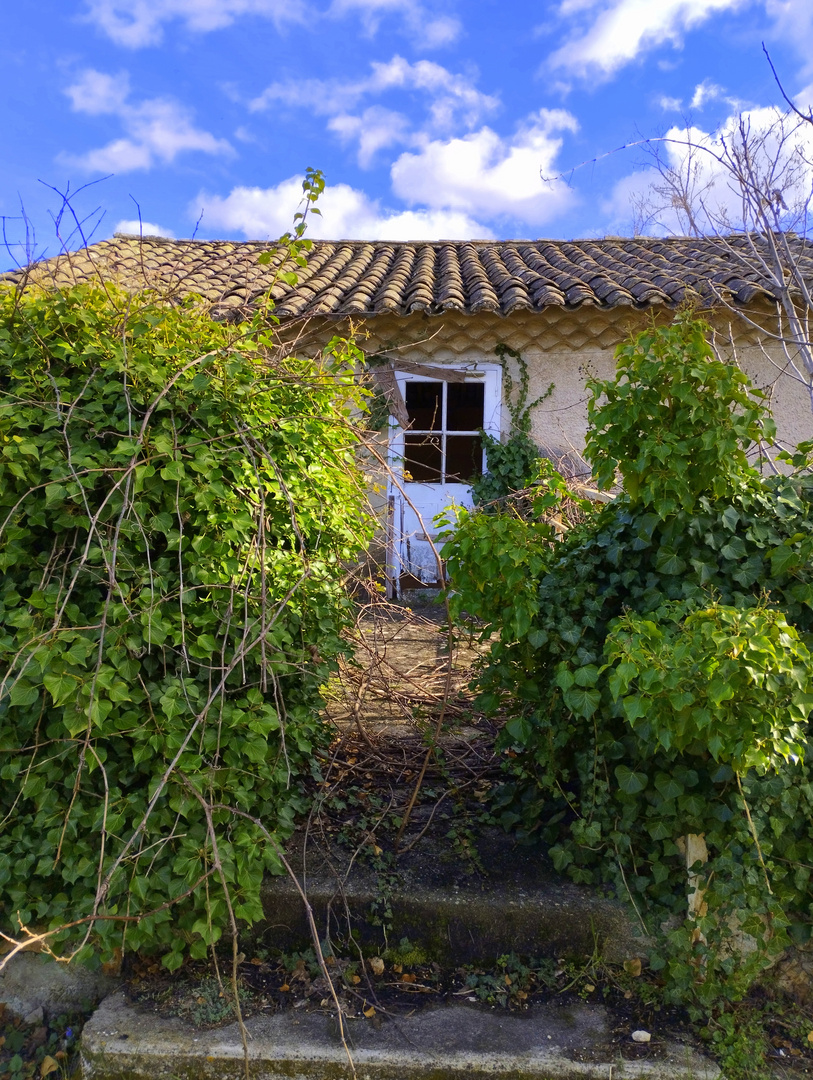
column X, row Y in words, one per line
column 629, row 781
column 669, row 562
column 731, row 518
column 668, row 786
column 60, row 687
column 783, row 559
column 23, row 694
column 582, row 701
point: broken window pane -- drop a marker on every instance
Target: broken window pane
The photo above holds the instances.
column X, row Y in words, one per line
column 423, row 458
column 424, row 402
column 465, row 406
column 464, row 458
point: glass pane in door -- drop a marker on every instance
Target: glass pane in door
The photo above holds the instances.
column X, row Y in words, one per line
column 464, row 458
column 424, row 402
column 423, row 458
column 465, row 406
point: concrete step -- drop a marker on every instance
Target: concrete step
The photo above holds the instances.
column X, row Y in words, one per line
column 454, row 911
column 447, row 1042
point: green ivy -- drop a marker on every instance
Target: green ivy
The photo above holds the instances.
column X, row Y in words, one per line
column 514, row 464
column 661, row 647
column 177, row 504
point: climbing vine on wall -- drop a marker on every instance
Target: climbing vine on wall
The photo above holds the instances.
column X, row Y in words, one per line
column 513, row 463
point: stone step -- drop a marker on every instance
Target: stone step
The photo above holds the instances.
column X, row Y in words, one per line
column 454, row 911
column 447, row 1042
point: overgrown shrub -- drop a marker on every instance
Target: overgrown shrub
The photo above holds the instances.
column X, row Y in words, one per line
column 177, row 502
column 696, row 541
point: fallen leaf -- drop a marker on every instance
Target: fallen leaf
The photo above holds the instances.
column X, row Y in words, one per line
column 521, row 995
column 589, row 988
column 398, row 968
column 257, row 962
column 507, row 980
column 48, row 1066
column 376, row 965
column 369, row 1013
column 355, row 979
column 285, row 988
column 810, row 1036
column 408, row 978
column 113, row 965
column 633, row 967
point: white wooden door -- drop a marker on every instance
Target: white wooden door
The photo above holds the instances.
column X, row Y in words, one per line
column 435, row 459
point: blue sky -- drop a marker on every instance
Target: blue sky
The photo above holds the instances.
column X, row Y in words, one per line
column 430, row 118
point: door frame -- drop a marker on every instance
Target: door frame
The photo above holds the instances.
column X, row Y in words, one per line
column 403, row 495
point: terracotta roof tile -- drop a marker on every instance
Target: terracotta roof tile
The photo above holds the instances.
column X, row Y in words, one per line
column 353, row 277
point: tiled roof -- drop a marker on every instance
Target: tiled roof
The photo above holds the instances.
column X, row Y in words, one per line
column 355, row 278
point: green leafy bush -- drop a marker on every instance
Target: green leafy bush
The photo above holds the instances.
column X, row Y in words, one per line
column 697, row 571
column 177, row 503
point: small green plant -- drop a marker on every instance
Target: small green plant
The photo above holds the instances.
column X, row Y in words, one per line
column 406, row 953
column 739, row 1042
column 214, row 1002
column 511, row 981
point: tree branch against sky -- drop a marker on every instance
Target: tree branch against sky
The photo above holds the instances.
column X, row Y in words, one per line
column 430, row 118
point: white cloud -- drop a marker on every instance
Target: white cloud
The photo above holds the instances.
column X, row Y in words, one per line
column 375, row 129
column 804, row 100
column 489, row 176
column 704, row 92
column 428, row 30
column 453, row 97
column 118, row 156
column 136, row 23
column 155, row 130
column 452, row 102
column 347, row 213
column 669, row 104
column 620, row 30
column 143, row 228
column 780, row 155
column 97, row 94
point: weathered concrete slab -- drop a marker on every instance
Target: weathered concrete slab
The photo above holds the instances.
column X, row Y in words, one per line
column 451, row 1042
column 30, row 981
column 455, row 913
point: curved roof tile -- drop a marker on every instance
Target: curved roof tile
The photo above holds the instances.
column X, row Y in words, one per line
column 346, row 277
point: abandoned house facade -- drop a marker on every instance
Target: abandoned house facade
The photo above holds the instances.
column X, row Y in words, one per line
column 431, row 315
